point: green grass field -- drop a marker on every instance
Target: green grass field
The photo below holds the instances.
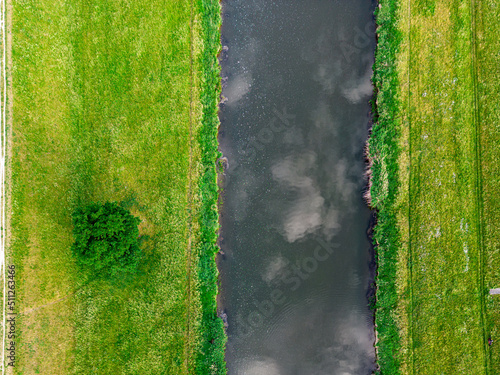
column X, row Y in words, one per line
column 435, row 167
column 115, row 101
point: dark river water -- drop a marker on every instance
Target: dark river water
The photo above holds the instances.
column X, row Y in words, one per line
column 297, row 264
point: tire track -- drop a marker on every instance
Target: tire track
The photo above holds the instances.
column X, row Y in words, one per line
column 29, row 311
column 410, row 179
column 189, row 199
column 478, row 182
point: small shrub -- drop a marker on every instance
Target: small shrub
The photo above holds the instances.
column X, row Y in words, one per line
column 106, row 238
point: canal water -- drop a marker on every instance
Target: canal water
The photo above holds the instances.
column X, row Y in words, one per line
column 296, row 263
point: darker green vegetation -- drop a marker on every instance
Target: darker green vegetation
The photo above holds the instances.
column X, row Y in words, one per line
column 383, row 152
column 213, row 339
column 106, row 238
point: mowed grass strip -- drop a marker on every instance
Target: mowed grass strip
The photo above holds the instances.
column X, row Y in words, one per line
column 446, row 309
column 101, row 103
column 40, row 226
column 487, row 15
column 438, row 208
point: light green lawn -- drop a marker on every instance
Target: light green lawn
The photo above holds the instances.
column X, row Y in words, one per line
column 106, row 107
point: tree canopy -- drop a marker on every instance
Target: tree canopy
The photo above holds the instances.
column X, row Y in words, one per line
column 106, row 238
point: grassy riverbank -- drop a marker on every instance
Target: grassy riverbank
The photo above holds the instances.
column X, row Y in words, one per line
column 115, row 101
column 434, row 173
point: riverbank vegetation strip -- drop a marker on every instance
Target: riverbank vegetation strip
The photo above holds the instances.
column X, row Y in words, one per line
column 434, row 178
column 116, row 101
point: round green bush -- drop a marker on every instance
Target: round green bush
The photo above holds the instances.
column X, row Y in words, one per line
column 106, row 238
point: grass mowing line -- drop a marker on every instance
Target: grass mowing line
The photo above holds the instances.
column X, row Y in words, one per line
column 487, row 28
column 29, row 311
column 189, row 193
column 410, row 254
column 479, row 185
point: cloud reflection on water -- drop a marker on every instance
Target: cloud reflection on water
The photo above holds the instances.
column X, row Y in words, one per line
column 310, row 212
column 305, row 214
column 237, row 88
column 358, row 88
column 341, row 357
